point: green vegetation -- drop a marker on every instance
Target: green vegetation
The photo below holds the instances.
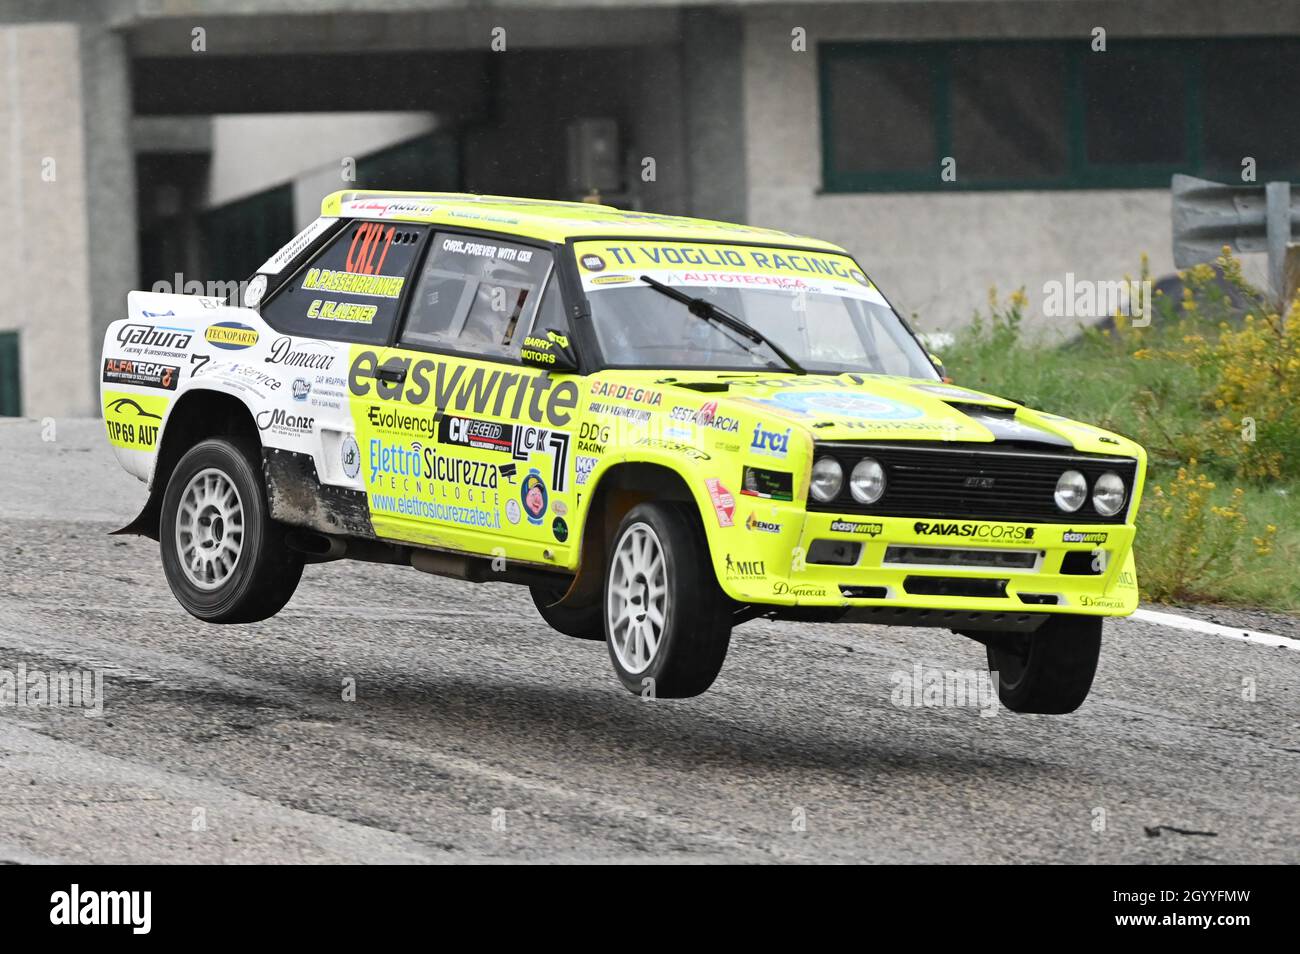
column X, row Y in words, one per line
column 1212, row 390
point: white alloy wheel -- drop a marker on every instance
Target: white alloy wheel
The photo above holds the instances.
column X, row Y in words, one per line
column 636, row 604
column 209, row 529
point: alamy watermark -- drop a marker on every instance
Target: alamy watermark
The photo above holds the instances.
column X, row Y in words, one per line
column 24, row 688
column 930, row 688
column 1084, row 298
column 231, row 291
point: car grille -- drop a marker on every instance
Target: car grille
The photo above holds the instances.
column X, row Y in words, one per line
column 932, row 479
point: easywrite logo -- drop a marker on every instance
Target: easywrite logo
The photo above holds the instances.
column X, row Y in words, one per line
column 76, row 907
column 447, row 386
column 849, row 526
column 1080, row 536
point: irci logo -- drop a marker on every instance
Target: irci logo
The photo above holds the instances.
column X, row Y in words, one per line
column 1081, row 298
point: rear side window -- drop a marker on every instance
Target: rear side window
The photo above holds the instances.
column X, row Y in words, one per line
column 477, row 296
column 352, row 289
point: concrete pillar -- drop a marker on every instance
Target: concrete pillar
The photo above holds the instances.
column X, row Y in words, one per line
column 67, row 200
column 112, row 232
column 713, row 69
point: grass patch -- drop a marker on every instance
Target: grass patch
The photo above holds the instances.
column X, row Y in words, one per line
column 1214, row 397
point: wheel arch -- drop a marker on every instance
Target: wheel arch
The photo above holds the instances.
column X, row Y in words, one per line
column 196, row 415
column 618, row 489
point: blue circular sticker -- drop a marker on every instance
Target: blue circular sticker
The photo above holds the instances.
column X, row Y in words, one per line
column 846, row 404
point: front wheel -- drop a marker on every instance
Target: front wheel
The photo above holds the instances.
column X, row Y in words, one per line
column 667, row 622
column 225, row 558
column 1049, row 670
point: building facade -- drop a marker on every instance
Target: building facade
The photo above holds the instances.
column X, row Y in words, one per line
column 952, row 145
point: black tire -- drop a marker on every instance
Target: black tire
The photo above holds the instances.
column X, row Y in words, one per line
column 696, row 614
column 582, row 622
column 265, row 573
column 1049, row 670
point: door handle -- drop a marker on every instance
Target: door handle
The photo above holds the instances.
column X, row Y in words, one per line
column 392, row 375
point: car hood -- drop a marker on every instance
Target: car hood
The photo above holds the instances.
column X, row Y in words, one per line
column 881, row 407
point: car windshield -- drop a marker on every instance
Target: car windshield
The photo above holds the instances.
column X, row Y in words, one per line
column 817, row 307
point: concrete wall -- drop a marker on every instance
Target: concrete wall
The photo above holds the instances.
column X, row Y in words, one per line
column 46, row 291
column 255, row 152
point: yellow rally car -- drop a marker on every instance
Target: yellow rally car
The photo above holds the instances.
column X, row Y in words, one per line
column 662, row 426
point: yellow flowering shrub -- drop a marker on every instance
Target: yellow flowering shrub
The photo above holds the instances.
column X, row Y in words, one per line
column 1211, row 388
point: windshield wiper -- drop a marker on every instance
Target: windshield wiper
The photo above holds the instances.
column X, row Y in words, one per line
column 711, row 312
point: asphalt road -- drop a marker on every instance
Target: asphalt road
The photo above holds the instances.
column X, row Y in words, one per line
column 478, row 734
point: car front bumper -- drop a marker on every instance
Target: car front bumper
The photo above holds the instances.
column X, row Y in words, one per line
column 918, row 563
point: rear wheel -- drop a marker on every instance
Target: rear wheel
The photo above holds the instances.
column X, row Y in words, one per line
column 667, row 622
column 582, row 622
column 1049, row 670
column 224, row 557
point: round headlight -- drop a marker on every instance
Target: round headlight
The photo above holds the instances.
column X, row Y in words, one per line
column 1071, row 491
column 827, row 478
column 1109, row 494
column 867, row 482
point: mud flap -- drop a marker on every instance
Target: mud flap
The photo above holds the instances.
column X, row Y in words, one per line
column 146, row 524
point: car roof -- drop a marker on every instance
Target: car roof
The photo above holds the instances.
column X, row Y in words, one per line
column 548, row 220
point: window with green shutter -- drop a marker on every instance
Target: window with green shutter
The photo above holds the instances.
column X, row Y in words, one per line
column 1055, row 114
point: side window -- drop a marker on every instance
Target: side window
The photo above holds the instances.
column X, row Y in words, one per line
column 477, row 296
column 351, row 290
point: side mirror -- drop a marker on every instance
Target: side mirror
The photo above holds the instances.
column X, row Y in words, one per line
column 938, row 366
column 549, row 350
